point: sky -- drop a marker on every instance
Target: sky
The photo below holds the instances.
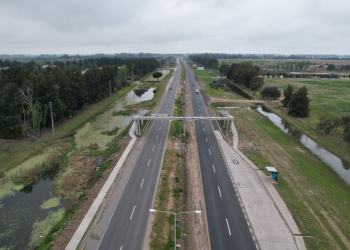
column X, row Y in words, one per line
column 175, row 26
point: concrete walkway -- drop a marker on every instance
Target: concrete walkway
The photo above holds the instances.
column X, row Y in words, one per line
column 268, row 215
column 79, row 233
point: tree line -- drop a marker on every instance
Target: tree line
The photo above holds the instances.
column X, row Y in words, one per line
column 205, row 61
column 26, row 93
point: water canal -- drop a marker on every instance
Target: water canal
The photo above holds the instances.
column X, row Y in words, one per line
column 323, row 154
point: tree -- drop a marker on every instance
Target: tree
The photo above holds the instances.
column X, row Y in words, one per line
column 256, row 83
column 288, row 92
column 157, row 75
column 299, row 103
column 331, row 67
column 244, row 72
column 326, row 124
column 270, row 92
column 346, row 125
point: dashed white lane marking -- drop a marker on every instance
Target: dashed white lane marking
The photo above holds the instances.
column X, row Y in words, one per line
column 121, row 248
column 199, row 110
column 204, row 129
column 157, row 137
column 209, row 151
column 132, row 212
column 219, row 192
column 160, row 128
column 202, row 122
column 206, row 139
column 228, row 227
column 214, row 168
column 153, row 147
column 142, row 182
column 149, row 162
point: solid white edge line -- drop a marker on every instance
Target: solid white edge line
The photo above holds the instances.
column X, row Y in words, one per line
column 132, row 212
column 228, row 227
column 142, row 182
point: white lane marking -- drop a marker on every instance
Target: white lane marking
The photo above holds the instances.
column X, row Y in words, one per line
column 153, row 147
column 253, row 238
column 202, row 122
column 219, row 192
column 199, row 110
column 121, row 248
column 149, row 162
column 206, row 139
column 157, row 137
column 228, row 227
column 214, row 168
column 209, row 151
column 250, row 230
column 160, row 128
column 132, row 212
column 142, row 182
column 204, row 129
column 162, row 121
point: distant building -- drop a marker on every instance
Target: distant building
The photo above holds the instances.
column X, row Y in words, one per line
column 2, row 68
column 200, row 68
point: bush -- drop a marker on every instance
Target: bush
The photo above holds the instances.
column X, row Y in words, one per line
column 270, row 92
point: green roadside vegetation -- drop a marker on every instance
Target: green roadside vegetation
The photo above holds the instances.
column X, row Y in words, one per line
column 316, row 196
column 143, row 79
column 219, row 92
column 168, row 76
column 201, row 73
column 67, row 184
column 13, row 152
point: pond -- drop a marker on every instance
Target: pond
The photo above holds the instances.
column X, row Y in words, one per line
column 91, row 131
column 27, row 213
column 323, row 154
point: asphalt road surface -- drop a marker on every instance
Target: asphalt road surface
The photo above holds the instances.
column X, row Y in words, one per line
column 228, row 228
column 128, row 226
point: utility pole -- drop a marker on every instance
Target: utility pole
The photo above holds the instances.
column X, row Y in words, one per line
column 110, row 89
column 180, row 149
column 53, row 129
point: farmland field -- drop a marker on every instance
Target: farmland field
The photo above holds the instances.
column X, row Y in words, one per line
column 331, row 94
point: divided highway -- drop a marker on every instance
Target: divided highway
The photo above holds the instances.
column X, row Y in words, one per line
column 127, row 228
column 228, row 227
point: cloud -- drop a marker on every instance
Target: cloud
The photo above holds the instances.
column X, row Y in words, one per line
column 174, row 26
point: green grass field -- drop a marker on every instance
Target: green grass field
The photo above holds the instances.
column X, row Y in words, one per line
column 332, row 94
column 14, row 152
column 219, row 92
column 201, row 73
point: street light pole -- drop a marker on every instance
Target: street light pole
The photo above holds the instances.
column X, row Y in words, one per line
column 196, row 212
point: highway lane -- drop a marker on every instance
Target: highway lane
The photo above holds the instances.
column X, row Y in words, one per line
column 127, row 228
column 228, row 228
